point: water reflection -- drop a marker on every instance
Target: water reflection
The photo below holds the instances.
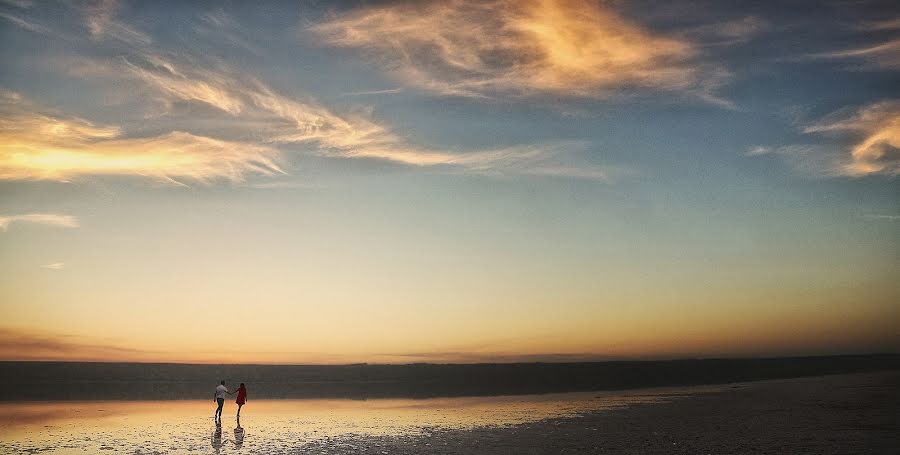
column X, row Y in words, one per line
column 217, row 438
column 183, row 426
column 238, row 434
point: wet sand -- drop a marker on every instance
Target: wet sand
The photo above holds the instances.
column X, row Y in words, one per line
column 841, row 414
column 837, row 414
column 280, row 426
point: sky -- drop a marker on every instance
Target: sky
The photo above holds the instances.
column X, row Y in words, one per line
column 448, row 181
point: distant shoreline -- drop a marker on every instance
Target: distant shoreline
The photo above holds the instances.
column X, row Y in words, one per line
column 77, row 381
column 399, row 364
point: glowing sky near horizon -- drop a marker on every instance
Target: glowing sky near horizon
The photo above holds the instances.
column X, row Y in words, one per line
column 457, row 181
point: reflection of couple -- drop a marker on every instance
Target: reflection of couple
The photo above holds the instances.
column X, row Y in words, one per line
column 238, row 436
column 221, row 390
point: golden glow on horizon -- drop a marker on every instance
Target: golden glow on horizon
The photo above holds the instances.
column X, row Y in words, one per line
column 542, row 335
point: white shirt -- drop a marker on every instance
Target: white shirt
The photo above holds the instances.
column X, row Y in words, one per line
column 220, row 391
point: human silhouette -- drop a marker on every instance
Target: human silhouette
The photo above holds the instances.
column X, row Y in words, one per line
column 219, row 398
column 241, row 397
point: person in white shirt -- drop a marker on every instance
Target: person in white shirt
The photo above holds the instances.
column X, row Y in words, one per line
column 221, row 390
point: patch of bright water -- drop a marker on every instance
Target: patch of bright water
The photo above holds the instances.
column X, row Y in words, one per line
column 268, row 426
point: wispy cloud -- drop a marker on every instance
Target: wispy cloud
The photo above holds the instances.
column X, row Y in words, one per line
column 356, row 135
column 54, row 266
column 483, row 49
column 375, row 92
column 729, row 32
column 39, row 146
column 198, row 85
column 871, row 135
column 20, row 344
column 552, row 159
column 24, row 4
column 29, row 25
column 885, row 24
column 882, row 217
column 883, row 55
column 877, row 127
column 100, row 20
column 758, row 150
column 221, row 27
column 218, row 18
column 284, row 185
column 49, row 219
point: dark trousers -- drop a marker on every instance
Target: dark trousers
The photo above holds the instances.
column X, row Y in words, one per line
column 220, row 402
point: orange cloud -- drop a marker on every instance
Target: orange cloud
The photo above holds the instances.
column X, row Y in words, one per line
column 878, row 128
column 552, row 159
column 18, row 344
column 50, row 219
column 873, row 137
column 36, row 146
column 562, row 47
column 208, row 87
column 289, row 121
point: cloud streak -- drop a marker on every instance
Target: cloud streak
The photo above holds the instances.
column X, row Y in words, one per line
column 100, row 20
column 39, row 146
column 877, row 55
column 877, row 130
column 28, row 25
column 552, row 159
column 48, row 219
column 885, row 55
column 729, row 32
column 567, row 48
column 866, row 142
column 882, row 217
column 289, row 121
column 16, row 344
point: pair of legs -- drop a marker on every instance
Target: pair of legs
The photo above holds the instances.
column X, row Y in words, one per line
column 220, row 402
column 240, row 405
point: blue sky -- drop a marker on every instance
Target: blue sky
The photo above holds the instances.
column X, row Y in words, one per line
column 491, row 180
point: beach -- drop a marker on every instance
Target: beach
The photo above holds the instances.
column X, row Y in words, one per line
column 852, row 413
column 839, row 414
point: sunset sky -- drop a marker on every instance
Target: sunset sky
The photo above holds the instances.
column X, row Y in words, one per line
column 449, row 181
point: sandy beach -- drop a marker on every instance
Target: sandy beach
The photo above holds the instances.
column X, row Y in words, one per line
column 840, row 414
column 834, row 414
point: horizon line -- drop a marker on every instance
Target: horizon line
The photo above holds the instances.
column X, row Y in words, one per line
column 667, row 359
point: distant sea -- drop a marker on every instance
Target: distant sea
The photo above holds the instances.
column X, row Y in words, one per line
column 56, row 381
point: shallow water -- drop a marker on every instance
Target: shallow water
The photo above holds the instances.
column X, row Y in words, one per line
column 273, row 426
